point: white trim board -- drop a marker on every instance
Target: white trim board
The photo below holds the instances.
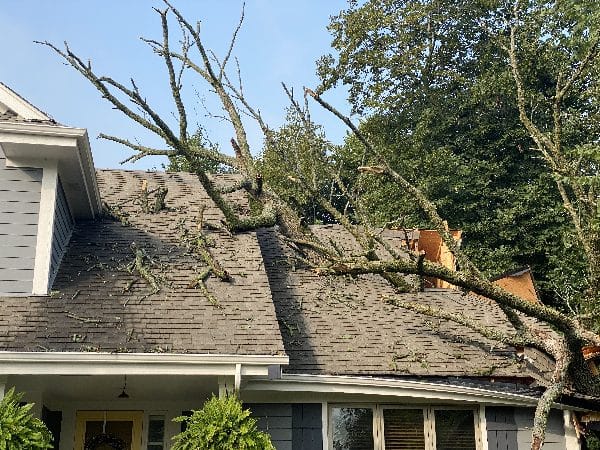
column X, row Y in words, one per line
column 45, row 230
column 84, row 363
column 10, row 99
column 423, row 390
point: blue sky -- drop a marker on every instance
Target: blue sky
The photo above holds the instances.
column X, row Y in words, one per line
column 280, row 41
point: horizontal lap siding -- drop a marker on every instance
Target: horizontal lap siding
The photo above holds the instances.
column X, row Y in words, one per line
column 510, row 429
column 307, row 427
column 292, row 427
column 275, row 419
column 501, row 428
column 555, row 433
column 20, row 190
column 63, row 228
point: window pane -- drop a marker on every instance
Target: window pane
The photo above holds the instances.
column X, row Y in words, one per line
column 156, row 432
column 352, row 428
column 403, row 429
column 454, row 430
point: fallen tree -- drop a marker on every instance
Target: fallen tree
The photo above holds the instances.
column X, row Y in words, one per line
column 570, row 331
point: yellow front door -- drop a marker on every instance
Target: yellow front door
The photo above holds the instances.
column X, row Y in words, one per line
column 108, row 430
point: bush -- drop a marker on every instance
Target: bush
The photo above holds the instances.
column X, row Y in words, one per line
column 221, row 424
column 18, row 428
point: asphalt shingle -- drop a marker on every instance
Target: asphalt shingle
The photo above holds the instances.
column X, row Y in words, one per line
column 98, row 305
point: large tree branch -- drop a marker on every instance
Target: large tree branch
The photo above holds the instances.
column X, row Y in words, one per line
column 518, row 339
column 424, row 203
column 551, row 149
column 213, row 79
column 467, row 281
column 556, row 387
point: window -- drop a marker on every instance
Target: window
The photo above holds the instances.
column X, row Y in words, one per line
column 352, row 428
column 454, row 429
column 390, row 427
column 156, row 432
column 403, row 429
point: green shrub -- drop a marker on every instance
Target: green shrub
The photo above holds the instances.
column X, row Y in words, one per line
column 18, row 428
column 221, row 424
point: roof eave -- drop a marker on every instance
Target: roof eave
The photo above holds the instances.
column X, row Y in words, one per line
column 37, row 145
column 88, row 363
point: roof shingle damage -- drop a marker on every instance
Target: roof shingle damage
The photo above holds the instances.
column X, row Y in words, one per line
column 272, row 305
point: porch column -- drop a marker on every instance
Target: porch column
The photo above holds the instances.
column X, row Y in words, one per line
column 571, row 436
column 226, row 386
column 3, row 380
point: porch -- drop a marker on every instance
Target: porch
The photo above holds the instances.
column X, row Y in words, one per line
column 132, row 397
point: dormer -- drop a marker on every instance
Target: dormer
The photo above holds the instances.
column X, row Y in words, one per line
column 47, row 183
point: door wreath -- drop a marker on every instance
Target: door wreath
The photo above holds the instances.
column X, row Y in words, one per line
column 104, row 439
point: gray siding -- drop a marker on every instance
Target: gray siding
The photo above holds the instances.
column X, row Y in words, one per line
column 292, row 427
column 510, row 429
column 275, row 419
column 63, row 228
column 555, row 433
column 20, row 191
column 307, row 429
column 501, row 428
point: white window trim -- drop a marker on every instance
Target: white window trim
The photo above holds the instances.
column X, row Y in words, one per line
column 428, row 422
column 146, row 427
column 325, row 424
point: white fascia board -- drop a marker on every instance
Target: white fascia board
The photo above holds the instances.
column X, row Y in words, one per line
column 84, row 363
column 18, row 104
column 86, row 163
column 391, row 388
column 69, row 146
column 39, row 129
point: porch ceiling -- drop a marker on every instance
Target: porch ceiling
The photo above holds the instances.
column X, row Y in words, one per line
column 107, row 387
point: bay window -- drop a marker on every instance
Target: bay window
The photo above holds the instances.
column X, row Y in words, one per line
column 390, row 427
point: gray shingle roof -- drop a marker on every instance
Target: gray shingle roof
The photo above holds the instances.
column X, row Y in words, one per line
column 342, row 326
column 273, row 305
column 96, row 308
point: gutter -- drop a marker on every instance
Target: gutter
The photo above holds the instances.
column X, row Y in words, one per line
column 422, row 390
column 85, row 363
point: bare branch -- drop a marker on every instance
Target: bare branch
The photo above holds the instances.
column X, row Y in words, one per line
column 100, row 83
column 175, row 86
column 219, row 88
column 141, row 149
column 494, row 334
column 467, row 281
column 232, row 43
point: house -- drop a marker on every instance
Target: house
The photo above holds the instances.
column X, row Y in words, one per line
column 107, row 325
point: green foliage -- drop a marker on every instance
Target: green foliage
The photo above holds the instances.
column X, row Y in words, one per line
column 434, row 80
column 296, row 163
column 18, row 428
column 182, row 163
column 221, row 424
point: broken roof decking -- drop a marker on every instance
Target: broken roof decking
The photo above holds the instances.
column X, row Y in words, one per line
column 341, row 325
column 93, row 309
